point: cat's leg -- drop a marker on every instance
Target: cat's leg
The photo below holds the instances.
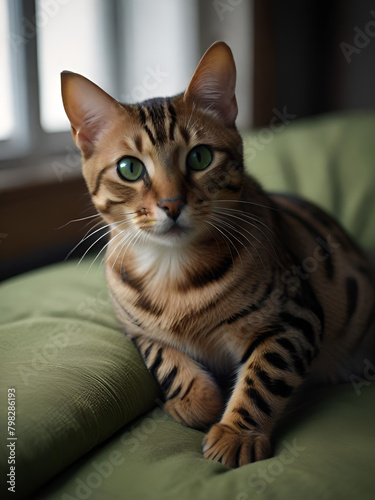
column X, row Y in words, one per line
column 192, row 396
column 275, row 364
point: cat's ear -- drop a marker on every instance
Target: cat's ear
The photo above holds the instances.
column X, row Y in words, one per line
column 213, row 83
column 89, row 109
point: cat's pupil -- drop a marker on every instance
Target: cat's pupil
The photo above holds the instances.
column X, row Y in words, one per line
column 130, row 169
column 199, row 158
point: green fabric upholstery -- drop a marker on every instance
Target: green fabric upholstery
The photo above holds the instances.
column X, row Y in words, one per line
column 88, row 421
column 329, row 160
column 77, row 377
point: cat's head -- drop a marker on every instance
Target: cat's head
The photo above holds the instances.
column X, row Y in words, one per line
column 160, row 166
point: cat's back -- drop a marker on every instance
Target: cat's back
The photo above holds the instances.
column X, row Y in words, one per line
column 323, row 255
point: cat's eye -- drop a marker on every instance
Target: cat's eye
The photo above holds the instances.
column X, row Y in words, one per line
column 131, row 169
column 199, row 158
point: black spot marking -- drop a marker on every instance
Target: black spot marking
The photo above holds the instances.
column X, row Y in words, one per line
column 99, row 180
column 276, row 360
column 233, row 188
column 185, row 134
column 308, row 299
column 328, row 222
column 298, row 364
column 173, row 115
column 157, row 362
column 167, row 381
column 127, row 279
column 147, row 352
column 109, row 203
column 287, row 344
column 203, row 278
column 188, row 389
column 246, row 417
column 259, row 401
column 175, row 393
column 120, row 189
column 131, row 318
column 321, row 240
column 277, row 387
column 157, row 115
column 262, row 337
column 299, row 324
column 138, row 143
column 241, row 425
column 148, row 306
column 256, row 306
column 142, row 116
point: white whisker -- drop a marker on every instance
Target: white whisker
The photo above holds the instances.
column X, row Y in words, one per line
column 90, row 247
column 77, row 220
column 227, row 224
column 89, row 234
column 274, row 255
column 227, row 238
column 126, row 240
column 108, row 243
column 245, row 202
column 111, row 226
column 245, row 214
column 247, row 239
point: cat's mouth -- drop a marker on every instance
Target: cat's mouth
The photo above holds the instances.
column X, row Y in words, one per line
column 176, row 231
column 172, row 234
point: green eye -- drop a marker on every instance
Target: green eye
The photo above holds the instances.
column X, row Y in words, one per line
column 131, row 169
column 199, row 158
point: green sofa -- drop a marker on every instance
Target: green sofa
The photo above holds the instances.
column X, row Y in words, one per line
column 89, row 419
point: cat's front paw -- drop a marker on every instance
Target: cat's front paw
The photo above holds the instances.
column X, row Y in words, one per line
column 234, row 448
column 198, row 405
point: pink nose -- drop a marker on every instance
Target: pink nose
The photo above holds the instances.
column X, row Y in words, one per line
column 172, row 206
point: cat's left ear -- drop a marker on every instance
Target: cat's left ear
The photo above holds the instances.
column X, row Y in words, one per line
column 213, row 83
column 89, row 109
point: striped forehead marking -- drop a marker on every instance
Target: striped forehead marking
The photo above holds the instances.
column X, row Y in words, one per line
column 158, row 118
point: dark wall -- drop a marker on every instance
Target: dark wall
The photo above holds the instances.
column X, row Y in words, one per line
column 321, row 55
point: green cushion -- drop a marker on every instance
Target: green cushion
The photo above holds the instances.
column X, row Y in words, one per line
column 77, row 377
column 324, row 450
column 329, row 160
column 81, row 387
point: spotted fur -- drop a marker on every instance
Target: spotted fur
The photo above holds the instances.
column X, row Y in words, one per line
column 233, row 297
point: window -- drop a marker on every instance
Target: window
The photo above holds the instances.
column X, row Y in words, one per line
column 7, row 121
column 133, row 49
column 71, row 36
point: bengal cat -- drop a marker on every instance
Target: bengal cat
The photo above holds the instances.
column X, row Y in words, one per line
column 233, row 297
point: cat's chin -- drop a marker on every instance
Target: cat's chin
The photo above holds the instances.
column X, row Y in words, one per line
column 176, row 236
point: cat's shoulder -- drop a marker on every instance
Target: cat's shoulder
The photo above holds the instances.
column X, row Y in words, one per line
column 298, row 206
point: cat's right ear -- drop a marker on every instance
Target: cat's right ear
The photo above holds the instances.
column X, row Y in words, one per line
column 89, row 109
column 213, row 83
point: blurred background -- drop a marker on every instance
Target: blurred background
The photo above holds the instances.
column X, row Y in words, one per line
column 303, row 58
